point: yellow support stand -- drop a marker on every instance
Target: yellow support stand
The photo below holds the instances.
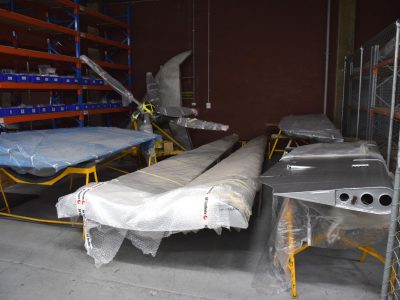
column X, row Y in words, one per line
column 366, row 250
column 69, row 171
column 277, row 138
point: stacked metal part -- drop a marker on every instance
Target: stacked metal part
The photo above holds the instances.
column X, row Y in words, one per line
column 326, row 195
column 171, row 196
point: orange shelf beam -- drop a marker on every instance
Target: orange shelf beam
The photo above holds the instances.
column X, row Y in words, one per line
column 97, row 87
column 35, row 22
column 93, row 13
column 385, row 112
column 56, row 57
column 98, row 39
column 36, row 54
column 58, row 115
column 112, row 66
column 39, row 117
column 51, row 86
column 107, row 110
column 67, row 3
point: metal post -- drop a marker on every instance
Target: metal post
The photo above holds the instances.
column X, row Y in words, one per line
column 343, row 92
column 208, row 104
column 328, row 29
column 78, row 67
column 349, row 128
column 194, row 53
column 374, row 74
column 396, row 194
column 128, row 40
column 359, row 90
column 393, row 100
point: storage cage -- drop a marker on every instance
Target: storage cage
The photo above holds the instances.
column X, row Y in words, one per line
column 370, row 110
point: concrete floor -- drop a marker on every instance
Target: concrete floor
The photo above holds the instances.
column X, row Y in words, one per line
column 40, row 261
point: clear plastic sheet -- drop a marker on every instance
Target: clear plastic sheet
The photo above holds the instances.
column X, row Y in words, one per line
column 359, row 148
column 126, row 95
column 199, row 124
column 314, row 127
column 176, row 111
column 46, row 152
column 161, row 205
column 317, row 225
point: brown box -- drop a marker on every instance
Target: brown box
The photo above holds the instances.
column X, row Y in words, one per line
column 168, row 147
column 6, row 181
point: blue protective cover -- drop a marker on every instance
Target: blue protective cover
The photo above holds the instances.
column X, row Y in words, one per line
column 46, row 152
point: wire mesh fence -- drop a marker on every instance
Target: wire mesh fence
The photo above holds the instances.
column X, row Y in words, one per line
column 371, row 100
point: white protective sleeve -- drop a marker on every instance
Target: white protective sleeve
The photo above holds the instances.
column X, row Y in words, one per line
column 221, row 197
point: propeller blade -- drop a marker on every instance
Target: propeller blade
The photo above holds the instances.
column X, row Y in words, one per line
column 200, row 124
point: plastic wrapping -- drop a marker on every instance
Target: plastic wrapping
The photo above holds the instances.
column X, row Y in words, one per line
column 324, row 150
column 126, row 95
column 176, row 111
column 317, row 225
column 199, row 124
column 314, row 127
column 45, row 152
column 168, row 201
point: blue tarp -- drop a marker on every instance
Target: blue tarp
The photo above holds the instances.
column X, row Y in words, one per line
column 45, row 152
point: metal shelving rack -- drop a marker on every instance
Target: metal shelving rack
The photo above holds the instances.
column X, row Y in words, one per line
column 371, row 110
column 371, row 103
column 70, row 28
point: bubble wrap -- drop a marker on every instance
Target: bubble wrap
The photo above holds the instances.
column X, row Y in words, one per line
column 221, row 197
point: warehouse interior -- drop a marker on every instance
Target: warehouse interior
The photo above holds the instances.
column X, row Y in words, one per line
column 199, row 149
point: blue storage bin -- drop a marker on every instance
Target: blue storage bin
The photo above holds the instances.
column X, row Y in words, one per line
column 37, row 78
column 25, row 110
column 11, row 111
column 8, row 77
column 72, row 107
column 47, row 79
column 99, row 82
column 23, row 78
column 68, row 79
column 43, row 109
column 55, row 79
column 91, row 105
column 116, row 104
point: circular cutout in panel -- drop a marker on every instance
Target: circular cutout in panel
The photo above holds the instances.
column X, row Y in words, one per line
column 367, row 199
column 385, row 200
column 344, row 197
